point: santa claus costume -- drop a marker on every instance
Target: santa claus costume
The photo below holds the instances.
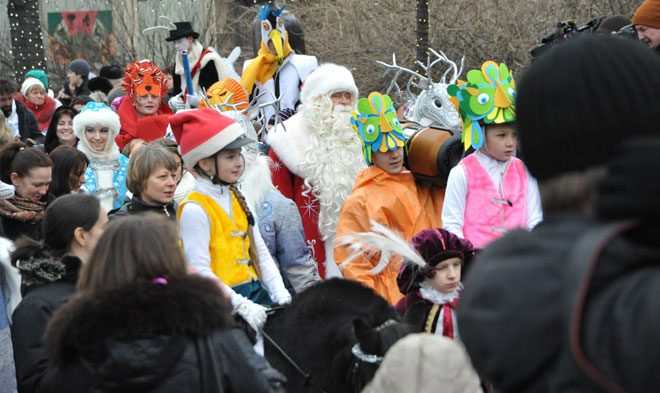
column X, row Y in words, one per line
column 316, row 158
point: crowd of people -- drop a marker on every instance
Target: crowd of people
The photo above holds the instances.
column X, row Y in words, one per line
column 148, row 229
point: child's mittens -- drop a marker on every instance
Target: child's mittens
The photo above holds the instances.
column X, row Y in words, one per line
column 631, row 188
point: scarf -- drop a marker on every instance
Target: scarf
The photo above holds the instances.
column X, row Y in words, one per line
column 148, row 128
column 263, row 67
column 22, row 209
column 43, row 112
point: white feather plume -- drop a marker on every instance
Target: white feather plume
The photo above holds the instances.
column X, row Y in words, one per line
column 381, row 239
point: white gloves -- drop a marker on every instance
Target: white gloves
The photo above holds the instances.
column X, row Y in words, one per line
column 176, row 103
column 193, row 100
column 253, row 313
column 282, row 297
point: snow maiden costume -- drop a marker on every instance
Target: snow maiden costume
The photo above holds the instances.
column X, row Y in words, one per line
column 280, row 73
column 106, row 173
column 485, row 197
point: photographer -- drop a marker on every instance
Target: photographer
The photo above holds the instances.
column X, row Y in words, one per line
column 647, row 23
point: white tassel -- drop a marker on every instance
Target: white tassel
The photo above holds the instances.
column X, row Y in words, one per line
column 381, row 239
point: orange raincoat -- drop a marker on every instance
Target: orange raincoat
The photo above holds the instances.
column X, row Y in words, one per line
column 395, row 201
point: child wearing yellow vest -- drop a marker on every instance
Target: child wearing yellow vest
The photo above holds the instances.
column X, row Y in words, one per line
column 215, row 223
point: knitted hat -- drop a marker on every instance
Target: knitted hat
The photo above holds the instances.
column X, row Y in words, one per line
column 80, row 67
column 111, row 71
column 578, row 102
column 29, row 83
column 434, row 246
column 203, row 132
column 326, row 79
column 648, row 14
column 39, row 74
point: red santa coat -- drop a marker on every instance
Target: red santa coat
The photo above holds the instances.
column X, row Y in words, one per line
column 287, row 152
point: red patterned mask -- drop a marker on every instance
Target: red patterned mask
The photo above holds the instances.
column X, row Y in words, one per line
column 142, row 78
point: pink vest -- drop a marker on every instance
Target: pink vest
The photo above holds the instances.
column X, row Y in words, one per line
column 489, row 214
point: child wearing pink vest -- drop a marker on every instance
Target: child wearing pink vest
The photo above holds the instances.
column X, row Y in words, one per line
column 490, row 191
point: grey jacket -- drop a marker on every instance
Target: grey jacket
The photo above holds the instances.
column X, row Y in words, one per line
column 281, row 228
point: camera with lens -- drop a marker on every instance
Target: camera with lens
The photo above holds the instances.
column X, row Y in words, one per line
column 565, row 30
column 627, row 32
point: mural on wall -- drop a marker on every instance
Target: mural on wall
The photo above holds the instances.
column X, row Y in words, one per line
column 81, row 34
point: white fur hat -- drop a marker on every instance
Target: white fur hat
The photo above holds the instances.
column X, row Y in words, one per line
column 96, row 114
column 325, row 79
column 30, row 83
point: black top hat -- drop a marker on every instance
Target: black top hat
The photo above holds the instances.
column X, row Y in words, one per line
column 183, row 29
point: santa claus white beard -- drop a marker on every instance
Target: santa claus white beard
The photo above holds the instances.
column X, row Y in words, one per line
column 331, row 161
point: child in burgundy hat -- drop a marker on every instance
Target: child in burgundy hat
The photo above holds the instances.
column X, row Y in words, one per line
column 215, row 223
column 431, row 279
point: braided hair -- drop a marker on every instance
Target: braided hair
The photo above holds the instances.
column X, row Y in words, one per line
column 254, row 256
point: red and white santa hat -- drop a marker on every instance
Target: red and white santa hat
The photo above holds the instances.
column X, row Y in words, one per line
column 203, row 132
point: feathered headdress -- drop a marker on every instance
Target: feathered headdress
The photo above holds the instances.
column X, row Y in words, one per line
column 377, row 125
column 488, row 96
column 142, row 78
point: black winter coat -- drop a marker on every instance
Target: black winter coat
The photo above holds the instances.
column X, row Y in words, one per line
column 40, row 300
column 515, row 307
column 137, row 206
column 142, row 338
column 27, row 124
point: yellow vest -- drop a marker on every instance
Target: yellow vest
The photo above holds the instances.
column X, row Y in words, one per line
column 230, row 259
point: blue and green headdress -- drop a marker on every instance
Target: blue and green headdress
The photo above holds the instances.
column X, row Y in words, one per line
column 377, row 125
column 488, row 97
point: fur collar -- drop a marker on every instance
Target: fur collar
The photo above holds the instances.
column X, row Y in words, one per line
column 256, row 180
column 184, row 306
column 193, row 57
column 290, row 144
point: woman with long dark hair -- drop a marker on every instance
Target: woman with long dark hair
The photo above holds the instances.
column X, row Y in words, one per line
column 49, row 270
column 141, row 323
column 60, row 129
column 69, row 166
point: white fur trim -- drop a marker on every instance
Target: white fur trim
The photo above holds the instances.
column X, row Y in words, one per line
column 325, row 79
column 213, row 145
column 103, row 117
column 257, row 178
column 196, row 52
column 290, row 145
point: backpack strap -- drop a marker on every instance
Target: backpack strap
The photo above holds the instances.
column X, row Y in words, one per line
column 582, row 263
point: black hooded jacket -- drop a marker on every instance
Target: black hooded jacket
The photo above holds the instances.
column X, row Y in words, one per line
column 516, row 311
column 144, row 337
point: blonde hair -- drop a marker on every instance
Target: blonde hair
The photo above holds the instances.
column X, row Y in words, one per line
column 143, row 163
column 6, row 132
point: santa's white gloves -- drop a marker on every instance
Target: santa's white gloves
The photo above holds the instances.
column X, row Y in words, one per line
column 253, row 313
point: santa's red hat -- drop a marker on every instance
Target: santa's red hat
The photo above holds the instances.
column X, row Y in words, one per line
column 201, row 133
